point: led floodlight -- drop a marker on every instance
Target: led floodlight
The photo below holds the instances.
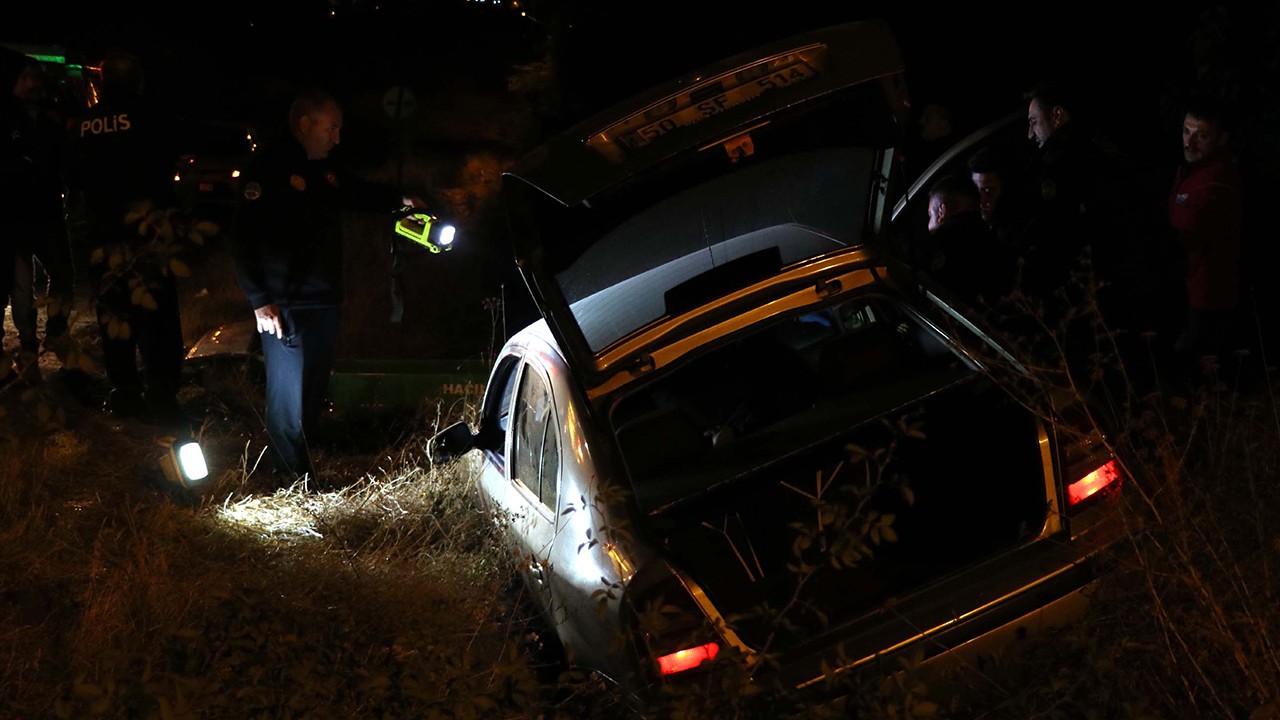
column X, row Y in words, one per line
column 183, row 462
column 428, row 231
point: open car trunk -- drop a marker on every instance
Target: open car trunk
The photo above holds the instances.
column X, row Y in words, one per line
column 828, row 463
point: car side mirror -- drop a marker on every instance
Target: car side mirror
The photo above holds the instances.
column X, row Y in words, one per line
column 450, row 443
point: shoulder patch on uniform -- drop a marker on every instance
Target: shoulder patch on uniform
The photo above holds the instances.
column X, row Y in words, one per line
column 332, row 178
column 252, row 191
column 297, row 183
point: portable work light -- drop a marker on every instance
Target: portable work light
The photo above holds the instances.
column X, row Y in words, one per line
column 183, row 461
column 428, row 231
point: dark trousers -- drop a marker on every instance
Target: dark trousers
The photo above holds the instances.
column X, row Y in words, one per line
column 155, row 334
column 47, row 243
column 298, row 368
column 54, row 255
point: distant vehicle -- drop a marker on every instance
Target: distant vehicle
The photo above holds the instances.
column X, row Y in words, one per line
column 208, row 176
column 744, row 438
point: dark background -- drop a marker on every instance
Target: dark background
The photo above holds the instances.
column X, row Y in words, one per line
column 234, row 58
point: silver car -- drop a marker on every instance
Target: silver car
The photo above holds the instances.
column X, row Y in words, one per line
column 745, row 442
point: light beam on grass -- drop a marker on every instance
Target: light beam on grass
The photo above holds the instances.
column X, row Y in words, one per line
column 282, row 515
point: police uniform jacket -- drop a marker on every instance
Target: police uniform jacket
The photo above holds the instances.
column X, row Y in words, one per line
column 289, row 225
column 125, row 150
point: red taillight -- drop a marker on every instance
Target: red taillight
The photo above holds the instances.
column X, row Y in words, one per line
column 687, row 659
column 1093, row 482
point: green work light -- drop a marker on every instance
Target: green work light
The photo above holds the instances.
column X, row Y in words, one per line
column 427, row 230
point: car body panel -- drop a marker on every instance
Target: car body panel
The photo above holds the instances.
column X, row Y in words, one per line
column 575, row 577
column 725, row 413
column 553, row 532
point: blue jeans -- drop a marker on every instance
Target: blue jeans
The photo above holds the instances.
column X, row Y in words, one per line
column 297, row 368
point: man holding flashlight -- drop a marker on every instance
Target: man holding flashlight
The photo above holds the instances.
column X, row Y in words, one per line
column 289, row 264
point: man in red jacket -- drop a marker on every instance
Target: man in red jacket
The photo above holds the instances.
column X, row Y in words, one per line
column 1205, row 213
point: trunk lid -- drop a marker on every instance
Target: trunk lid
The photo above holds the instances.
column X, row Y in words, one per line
column 764, row 160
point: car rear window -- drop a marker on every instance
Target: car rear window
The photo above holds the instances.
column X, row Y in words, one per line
column 801, row 181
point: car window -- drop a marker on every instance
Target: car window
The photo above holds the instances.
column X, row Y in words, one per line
column 792, row 207
column 529, row 443
column 505, row 384
column 550, row 473
column 496, row 412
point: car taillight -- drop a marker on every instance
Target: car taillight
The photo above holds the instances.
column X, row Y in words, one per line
column 687, row 659
column 1101, row 477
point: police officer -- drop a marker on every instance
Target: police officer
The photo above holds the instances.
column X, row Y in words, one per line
column 35, row 217
column 288, row 241
column 125, row 150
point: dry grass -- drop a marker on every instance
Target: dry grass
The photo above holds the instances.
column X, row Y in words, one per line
column 386, row 597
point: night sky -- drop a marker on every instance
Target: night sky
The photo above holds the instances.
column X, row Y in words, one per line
column 212, row 56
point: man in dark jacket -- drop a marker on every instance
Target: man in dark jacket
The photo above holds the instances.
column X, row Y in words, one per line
column 124, row 153
column 35, row 222
column 1080, row 197
column 968, row 257
column 289, row 264
column 1059, row 188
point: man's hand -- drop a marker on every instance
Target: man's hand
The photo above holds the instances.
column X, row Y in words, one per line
column 268, row 317
column 413, row 201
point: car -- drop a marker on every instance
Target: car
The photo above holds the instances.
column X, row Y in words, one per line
column 746, row 445
column 207, row 178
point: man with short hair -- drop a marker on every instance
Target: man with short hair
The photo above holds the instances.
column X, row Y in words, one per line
column 1059, row 172
column 993, row 176
column 967, row 258
column 1079, row 194
column 289, row 263
column 1205, row 212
